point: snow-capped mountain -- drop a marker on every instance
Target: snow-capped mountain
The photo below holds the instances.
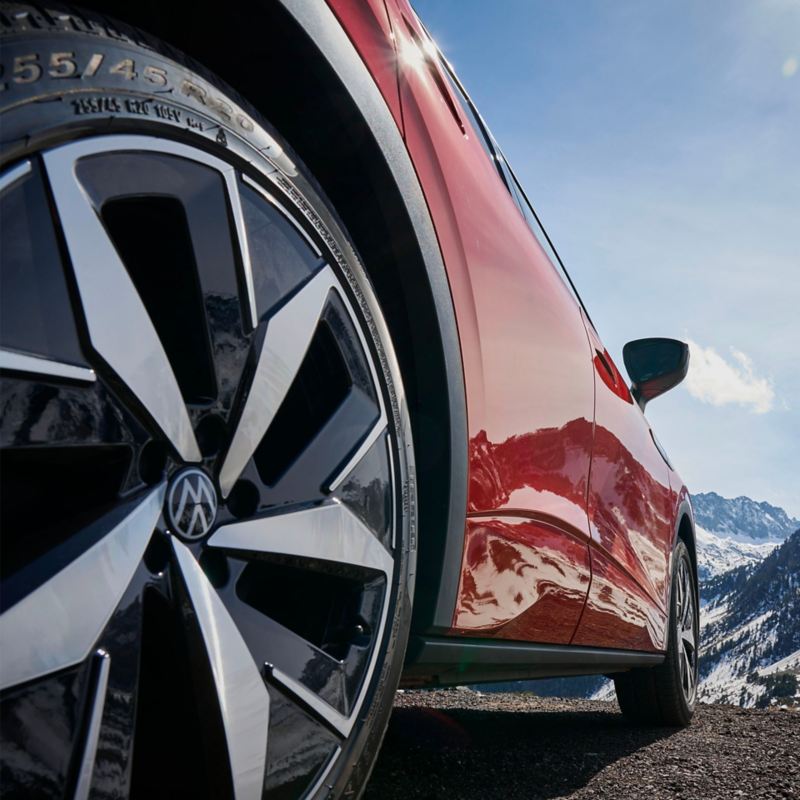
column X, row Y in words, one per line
column 750, row 631
column 735, row 532
column 741, row 518
column 716, row 554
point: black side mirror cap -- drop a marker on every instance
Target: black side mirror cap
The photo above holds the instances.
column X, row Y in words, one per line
column 654, row 366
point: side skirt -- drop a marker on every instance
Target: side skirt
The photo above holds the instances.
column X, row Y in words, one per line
column 441, row 661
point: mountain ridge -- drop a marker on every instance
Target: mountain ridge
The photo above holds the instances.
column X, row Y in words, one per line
column 742, row 518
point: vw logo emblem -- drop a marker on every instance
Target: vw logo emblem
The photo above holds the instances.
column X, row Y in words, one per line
column 191, row 504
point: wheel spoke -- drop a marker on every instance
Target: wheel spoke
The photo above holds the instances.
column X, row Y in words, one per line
column 688, row 624
column 682, row 662
column 102, row 665
column 119, row 326
column 338, row 723
column 289, row 333
column 687, row 641
column 688, row 594
column 328, row 533
column 36, row 365
column 56, row 625
column 235, row 200
column 243, row 696
column 375, row 432
column 689, row 672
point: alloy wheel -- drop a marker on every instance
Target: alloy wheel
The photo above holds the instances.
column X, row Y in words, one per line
column 199, row 483
column 686, row 615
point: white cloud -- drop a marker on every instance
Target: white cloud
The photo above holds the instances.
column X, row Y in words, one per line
column 714, row 380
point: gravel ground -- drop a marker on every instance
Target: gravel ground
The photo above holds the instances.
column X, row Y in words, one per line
column 460, row 743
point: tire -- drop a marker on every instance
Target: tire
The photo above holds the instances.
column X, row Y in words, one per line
column 666, row 694
column 207, row 480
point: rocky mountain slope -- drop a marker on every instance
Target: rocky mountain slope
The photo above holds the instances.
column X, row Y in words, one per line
column 717, row 554
column 742, row 518
column 751, row 631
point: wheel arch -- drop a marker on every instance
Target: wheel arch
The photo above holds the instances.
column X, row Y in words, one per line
column 355, row 150
column 684, row 531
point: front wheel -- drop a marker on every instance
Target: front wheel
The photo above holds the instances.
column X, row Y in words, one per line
column 207, row 472
column 666, row 694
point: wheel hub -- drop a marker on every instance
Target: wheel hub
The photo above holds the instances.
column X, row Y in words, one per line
column 191, row 504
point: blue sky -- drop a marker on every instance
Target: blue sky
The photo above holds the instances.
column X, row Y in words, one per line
column 660, row 143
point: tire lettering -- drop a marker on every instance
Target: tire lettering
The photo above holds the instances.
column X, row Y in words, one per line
column 94, row 64
column 222, row 108
column 62, row 65
column 27, row 68
column 155, row 75
column 167, row 112
column 96, row 105
column 136, row 106
column 124, row 68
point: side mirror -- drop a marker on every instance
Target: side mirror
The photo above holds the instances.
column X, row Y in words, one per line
column 655, row 366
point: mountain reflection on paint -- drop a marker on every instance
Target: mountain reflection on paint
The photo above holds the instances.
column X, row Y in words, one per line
column 533, row 510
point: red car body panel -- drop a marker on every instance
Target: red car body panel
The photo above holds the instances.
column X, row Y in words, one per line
column 571, row 508
column 522, row 580
column 368, row 26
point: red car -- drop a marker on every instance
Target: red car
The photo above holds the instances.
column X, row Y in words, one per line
column 298, row 404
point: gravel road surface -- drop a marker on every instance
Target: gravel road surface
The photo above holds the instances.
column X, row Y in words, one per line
column 459, row 743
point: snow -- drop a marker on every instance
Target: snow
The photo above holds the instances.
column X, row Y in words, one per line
column 717, row 554
column 790, row 663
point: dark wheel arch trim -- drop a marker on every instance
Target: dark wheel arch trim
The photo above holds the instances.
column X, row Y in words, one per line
column 684, row 530
column 249, row 46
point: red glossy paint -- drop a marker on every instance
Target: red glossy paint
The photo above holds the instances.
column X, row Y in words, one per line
column 571, row 508
column 526, row 354
column 528, row 372
column 368, row 26
column 630, row 503
column 522, row 580
column 618, row 612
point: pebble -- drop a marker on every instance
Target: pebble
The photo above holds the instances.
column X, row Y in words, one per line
column 459, row 744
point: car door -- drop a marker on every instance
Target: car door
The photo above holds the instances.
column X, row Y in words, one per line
column 630, row 516
column 530, row 389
